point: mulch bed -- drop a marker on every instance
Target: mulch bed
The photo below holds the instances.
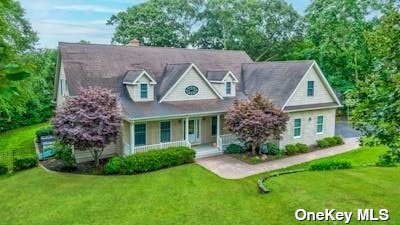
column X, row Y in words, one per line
column 247, row 156
column 80, row 168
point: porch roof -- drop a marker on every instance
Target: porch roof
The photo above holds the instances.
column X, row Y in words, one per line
column 153, row 109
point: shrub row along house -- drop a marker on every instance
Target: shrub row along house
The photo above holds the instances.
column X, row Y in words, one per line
column 178, row 97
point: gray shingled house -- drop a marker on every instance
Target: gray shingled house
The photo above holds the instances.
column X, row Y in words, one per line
column 178, row 97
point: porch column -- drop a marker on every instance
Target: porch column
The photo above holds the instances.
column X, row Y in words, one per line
column 187, row 129
column 132, row 133
column 218, row 132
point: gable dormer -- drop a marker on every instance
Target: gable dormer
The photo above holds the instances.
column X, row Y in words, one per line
column 183, row 82
column 223, row 81
column 140, row 85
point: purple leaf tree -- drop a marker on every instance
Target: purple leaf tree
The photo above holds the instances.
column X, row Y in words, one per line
column 256, row 120
column 89, row 121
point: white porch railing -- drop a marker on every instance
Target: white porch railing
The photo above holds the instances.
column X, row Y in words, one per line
column 227, row 139
column 219, row 143
column 146, row 148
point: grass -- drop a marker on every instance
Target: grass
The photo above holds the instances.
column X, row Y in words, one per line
column 20, row 139
column 190, row 194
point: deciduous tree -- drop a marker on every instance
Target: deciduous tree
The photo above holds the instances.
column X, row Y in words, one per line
column 89, row 121
column 256, row 120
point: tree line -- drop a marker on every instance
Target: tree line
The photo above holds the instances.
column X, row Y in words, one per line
column 26, row 73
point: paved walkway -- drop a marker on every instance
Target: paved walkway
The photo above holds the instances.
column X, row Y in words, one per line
column 228, row 167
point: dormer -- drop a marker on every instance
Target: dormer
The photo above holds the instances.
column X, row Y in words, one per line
column 140, row 85
column 185, row 82
column 223, row 81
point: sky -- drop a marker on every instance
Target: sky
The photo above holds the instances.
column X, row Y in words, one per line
column 74, row 20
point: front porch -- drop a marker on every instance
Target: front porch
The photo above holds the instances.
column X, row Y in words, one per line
column 203, row 133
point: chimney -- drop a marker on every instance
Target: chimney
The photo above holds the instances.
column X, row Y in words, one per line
column 134, row 43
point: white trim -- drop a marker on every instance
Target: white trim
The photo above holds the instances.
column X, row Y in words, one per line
column 311, row 109
column 294, row 127
column 145, row 124
column 170, row 130
column 235, row 80
column 230, row 88
column 176, row 116
column 324, row 81
column 140, row 91
column 183, row 75
column 152, row 81
column 323, row 124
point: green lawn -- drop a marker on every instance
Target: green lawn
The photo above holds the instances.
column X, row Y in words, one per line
column 190, row 194
column 19, row 139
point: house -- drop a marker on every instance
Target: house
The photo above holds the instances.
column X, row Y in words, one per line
column 178, row 97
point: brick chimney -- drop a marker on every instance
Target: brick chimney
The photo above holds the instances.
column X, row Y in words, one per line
column 134, row 43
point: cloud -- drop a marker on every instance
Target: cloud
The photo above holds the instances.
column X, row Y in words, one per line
column 87, row 8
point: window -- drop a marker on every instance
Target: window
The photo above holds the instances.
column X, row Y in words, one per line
column 228, row 88
column 62, row 86
column 140, row 134
column 191, row 90
column 213, row 126
column 310, row 88
column 165, row 131
column 143, row 90
column 320, row 124
column 297, row 128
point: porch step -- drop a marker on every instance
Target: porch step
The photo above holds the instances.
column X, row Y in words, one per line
column 207, row 153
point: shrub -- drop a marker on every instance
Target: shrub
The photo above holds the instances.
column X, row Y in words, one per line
column 369, row 141
column 338, row 139
column 322, row 143
column 44, row 132
column 302, row 147
column 113, row 166
column 291, row 149
column 234, row 149
column 273, row 149
column 3, row 169
column 64, row 153
column 331, row 141
column 331, row 165
column 390, row 158
column 24, row 162
column 149, row 161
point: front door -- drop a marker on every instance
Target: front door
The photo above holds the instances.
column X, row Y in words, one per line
column 194, row 131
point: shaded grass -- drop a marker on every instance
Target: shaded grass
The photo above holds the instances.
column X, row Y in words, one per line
column 20, row 139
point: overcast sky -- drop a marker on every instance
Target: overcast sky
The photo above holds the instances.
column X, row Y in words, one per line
column 74, row 20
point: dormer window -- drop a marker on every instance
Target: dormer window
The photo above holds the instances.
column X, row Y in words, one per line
column 143, row 90
column 228, row 88
column 310, row 88
column 140, row 85
column 224, row 82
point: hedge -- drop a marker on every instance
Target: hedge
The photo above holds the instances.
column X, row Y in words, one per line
column 331, row 165
column 150, row 161
column 330, row 141
column 24, row 162
column 293, row 149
